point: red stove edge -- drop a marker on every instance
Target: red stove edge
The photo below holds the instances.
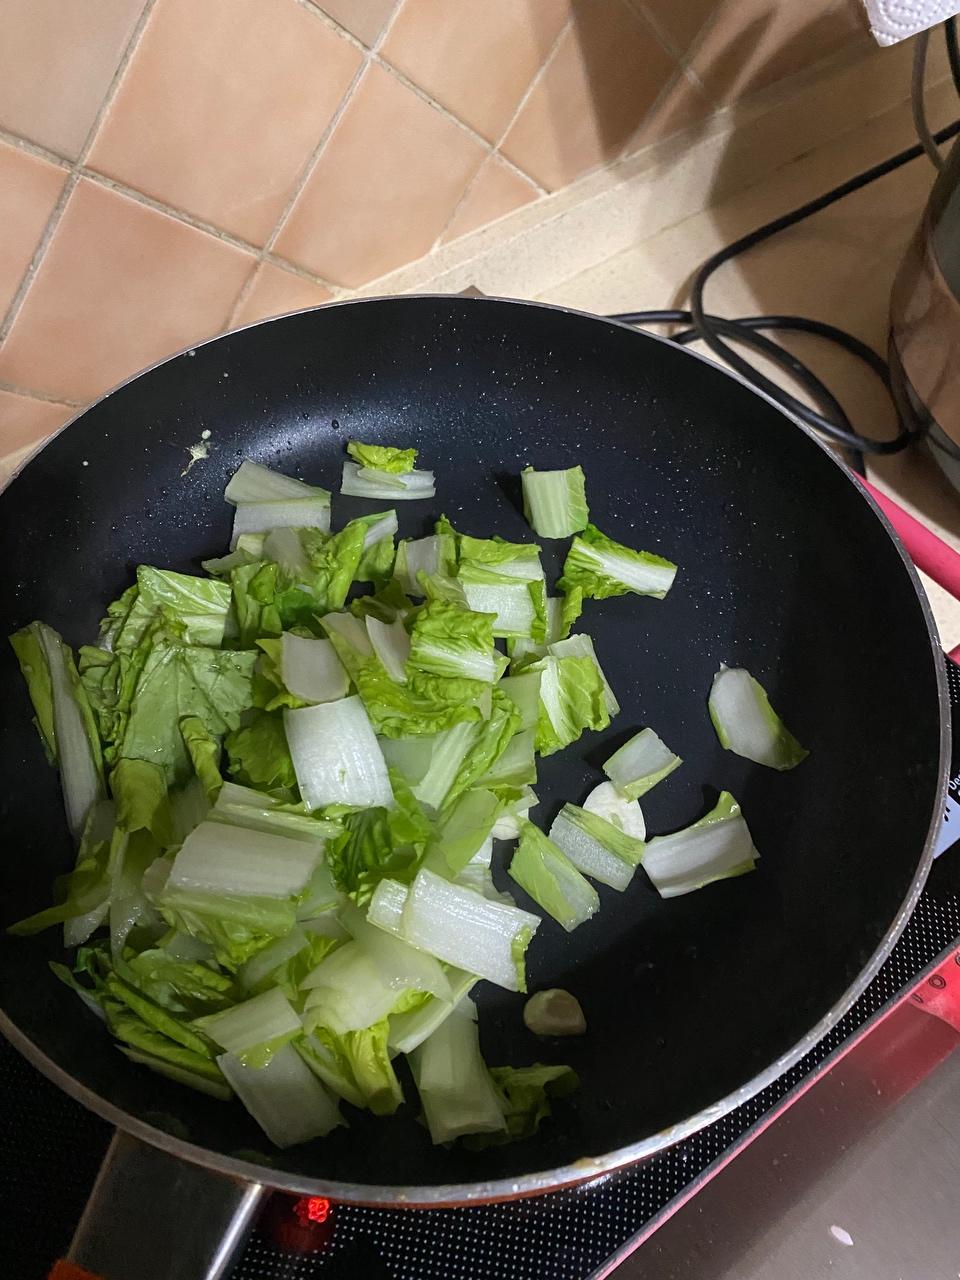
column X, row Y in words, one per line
column 936, row 992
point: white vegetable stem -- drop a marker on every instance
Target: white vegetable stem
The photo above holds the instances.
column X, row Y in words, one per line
column 464, row 929
column 401, row 966
column 253, row 1022
column 350, row 629
column 366, row 482
column 625, row 814
column 455, row 1086
column 285, row 1098
column 219, row 858
column 79, row 776
column 554, row 501
column 420, row 555
column 385, row 527
column 596, row 847
column 640, row 764
column 253, row 483
column 391, row 644
column 449, row 751
column 244, row 807
column 311, row 669
column 640, row 572
column 385, row 909
column 336, row 756
column 715, row 848
column 297, row 513
column 747, row 724
column 510, row 601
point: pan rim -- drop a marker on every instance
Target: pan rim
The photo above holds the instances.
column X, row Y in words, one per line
column 587, row 1168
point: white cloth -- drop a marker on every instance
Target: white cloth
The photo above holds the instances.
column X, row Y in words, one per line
column 894, row 20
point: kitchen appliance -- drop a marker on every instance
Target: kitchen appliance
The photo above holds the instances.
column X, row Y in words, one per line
column 726, row 989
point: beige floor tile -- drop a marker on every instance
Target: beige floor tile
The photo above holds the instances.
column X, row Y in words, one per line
column 221, row 106
column 25, row 422
column 57, row 58
column 276, row 291
column 593, row 97
column 364, row 19
column 29, row 188
column 498, row 190
column 393, row 170
column 476, row 57
column 120, row 286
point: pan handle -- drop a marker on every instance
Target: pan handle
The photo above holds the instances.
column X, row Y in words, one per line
column 151, row 1216
column 928, row 552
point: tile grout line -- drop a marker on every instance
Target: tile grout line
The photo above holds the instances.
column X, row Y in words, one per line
column 540, row 189
column 333, row 25
column 74, row 175
column 682, row 70
column 42, row 396
column 640, row 10
column 683, row 57
column 114, row 85
column 373, row 51
column 35, row 149
column 159, row 206
column 16, row 302
column 313, row 159
column 422, row 94
column 373, row 54
column 198, row 224
column 266, row 253
column 525, row 98
column 495, row 148
column 295, row 269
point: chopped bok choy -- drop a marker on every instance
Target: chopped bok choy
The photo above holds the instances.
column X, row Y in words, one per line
column 555, row 502
column 717, row 847
column 336, row 755
column 64, row 719
column 379, row 457
column 285, row 1098
column 286, row 781
column 266, row 500
column 596, row 847
column 459, row 927
column 369, row 482
column 640, row 764
column 551, row 879
column 747, row 724
column 311, row 670
column 456, row 1089
column 607, row 802
column 601, row 567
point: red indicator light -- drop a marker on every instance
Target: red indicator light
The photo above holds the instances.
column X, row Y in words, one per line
column 312, row 1209
column 300, row 1224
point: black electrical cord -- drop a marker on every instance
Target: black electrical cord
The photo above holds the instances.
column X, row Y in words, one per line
column 830, row 421
column 953, row 50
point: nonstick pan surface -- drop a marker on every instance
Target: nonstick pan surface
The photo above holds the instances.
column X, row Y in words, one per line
column 785, row 568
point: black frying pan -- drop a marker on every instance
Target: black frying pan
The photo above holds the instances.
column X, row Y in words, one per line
column 693, row 1004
